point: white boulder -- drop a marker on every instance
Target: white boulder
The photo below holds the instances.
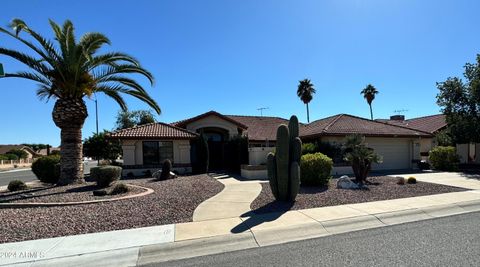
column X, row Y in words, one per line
column 345, row 182
column 158, row 174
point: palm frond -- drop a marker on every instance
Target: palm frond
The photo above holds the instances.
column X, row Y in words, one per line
column 121, row 69
column 29, row 76
column 111, row 59
column 125, row 81
column 92, row 41
column 143, row 96
column 29, row 61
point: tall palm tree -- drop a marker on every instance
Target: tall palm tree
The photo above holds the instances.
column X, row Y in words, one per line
column 369, row 93
column 306, row 91
column 69, row 71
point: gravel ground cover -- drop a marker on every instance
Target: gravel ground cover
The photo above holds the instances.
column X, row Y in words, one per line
column 382, row 188
column 172, row 202
column 69, row 193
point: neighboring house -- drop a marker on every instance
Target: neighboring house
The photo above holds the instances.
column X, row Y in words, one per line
column 48, row 151
column 4, row 149
column 146, row 146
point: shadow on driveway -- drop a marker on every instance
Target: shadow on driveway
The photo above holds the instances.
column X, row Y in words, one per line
column 261, row 215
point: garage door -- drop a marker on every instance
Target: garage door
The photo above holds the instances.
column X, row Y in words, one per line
column 395, row 153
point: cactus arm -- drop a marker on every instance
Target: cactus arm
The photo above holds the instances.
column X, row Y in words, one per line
column 294, row 180
column 272, row 174
column 283, row 162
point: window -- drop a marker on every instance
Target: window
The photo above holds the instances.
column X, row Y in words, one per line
column 154, row 153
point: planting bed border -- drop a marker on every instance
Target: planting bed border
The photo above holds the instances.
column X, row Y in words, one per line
column 59, row 204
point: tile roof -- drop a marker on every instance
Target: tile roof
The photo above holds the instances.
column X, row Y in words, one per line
column 183, row 123
column 7, row 148
column 431, row 124
column 344, row 124
column 155, row 130
column 260, row 128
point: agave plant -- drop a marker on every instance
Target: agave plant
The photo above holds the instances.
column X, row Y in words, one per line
column 69, row 71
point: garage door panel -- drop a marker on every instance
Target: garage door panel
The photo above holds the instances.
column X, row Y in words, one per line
column 395, row 153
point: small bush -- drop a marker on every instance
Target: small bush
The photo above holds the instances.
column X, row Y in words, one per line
column 166, row 169
column 45, row 170
column 105, row 175
column 444, row 158
column 423, row 165
column 315, row 169
column 11, row 156
column 130, row 175
column 411, row 180
column 401, row 181
column 308, row 148
column 119, row 188
column 16, row 185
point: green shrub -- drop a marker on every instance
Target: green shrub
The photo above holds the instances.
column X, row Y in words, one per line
column 105, row 175
column 45, row 170
column 444, row 158
column 411, row 180
column 308, row 148
column 119, row 188
column 315, row 169
column 16, row 185
column 3, row 157
column 11, row 156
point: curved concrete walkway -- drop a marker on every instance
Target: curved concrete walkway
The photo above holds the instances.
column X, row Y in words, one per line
column 233, row 201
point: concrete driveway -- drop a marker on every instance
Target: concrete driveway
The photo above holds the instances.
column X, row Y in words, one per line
column 458, row 179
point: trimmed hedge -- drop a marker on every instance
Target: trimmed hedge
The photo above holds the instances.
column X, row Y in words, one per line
column 16, row 185
column 45, row 170
column 105, row 175
column 444, row 158
column 315, row 169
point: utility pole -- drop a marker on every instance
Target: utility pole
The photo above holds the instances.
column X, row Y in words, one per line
column 261, row 110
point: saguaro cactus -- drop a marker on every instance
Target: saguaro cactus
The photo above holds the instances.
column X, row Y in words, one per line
column 284, row 165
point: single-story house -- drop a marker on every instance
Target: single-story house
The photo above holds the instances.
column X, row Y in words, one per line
column 146, row 146
column 4, row 149
column 433, row 124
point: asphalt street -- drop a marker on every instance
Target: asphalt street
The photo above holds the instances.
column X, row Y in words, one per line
column 448, row 241
column 28, row 176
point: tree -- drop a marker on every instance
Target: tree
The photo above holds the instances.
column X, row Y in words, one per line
column 460, row 102
column 99, row 146
column 68, row 71
column 37, row 147
column 306, row 91
column 360, row 156
column 369, row 93
column 128, row 119
column 21, row 154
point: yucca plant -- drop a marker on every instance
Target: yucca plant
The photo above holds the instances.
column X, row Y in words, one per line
column 68, row 71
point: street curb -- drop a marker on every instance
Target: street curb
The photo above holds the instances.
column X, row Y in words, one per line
column 195, row 248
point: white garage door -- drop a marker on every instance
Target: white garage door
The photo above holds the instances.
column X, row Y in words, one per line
column 395, row 153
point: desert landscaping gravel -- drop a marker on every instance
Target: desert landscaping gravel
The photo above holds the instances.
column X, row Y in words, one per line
column 69, row 193
column 172, row 202
column 383, row 188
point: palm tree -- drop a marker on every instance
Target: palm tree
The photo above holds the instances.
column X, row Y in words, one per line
column 369, row 94
column 306, row 91
column 68, row 71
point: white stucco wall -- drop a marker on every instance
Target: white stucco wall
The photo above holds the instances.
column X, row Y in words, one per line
column 213, row 121
column 258, row 155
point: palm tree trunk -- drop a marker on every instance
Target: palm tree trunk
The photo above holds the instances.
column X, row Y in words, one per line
column 308, row 114
column 71, row 170
column 69, row 115
column 371, row 112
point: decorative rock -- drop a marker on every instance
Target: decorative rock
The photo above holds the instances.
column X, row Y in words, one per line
column 345, row 182
column 158, row 174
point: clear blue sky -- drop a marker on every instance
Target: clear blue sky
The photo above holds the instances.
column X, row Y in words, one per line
column 237, row 56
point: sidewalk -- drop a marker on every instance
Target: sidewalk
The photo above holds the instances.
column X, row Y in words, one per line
column 162, row 243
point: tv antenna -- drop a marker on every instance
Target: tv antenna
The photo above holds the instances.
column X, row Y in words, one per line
column 400, row 111
column 261, row 110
